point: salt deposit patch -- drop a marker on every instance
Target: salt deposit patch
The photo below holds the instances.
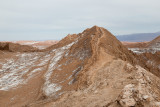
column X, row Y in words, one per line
column 144, row 50
column 50, row 88
column 13, row 70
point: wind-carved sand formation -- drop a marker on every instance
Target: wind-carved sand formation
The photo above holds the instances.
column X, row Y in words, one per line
column 89, row 69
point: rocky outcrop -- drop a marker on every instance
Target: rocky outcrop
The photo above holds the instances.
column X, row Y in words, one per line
column 144, row 93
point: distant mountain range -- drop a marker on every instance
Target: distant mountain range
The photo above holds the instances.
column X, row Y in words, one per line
column 138, row 37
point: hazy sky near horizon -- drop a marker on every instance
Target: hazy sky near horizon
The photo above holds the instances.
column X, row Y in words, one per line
column 54, row 19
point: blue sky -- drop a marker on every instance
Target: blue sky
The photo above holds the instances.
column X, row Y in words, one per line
column 54, row 19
